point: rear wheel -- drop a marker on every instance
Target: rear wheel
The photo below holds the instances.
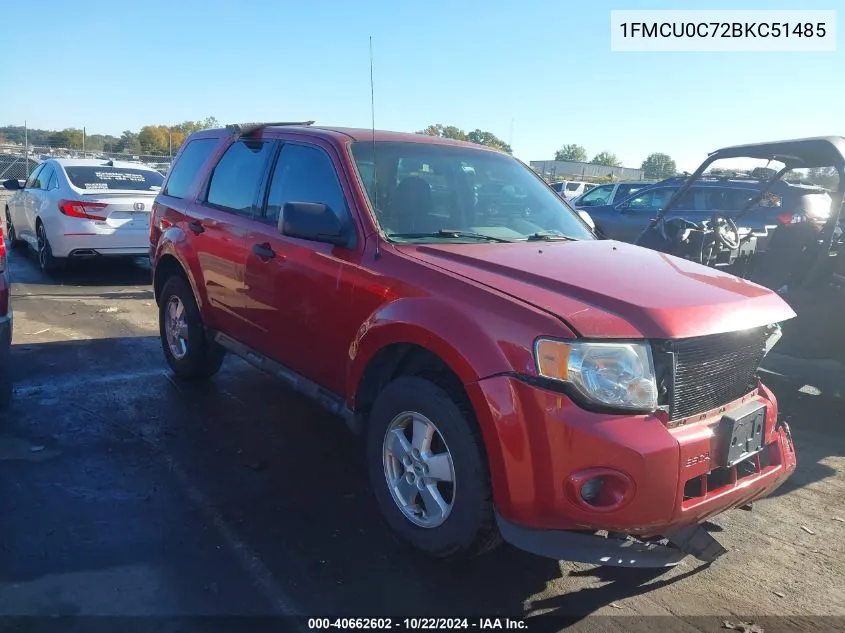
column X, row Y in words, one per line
column 428, row 471
column 14, row 241
column 46, row 261
column 187, row 349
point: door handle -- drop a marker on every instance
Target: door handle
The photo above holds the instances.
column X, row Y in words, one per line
column 264, row 251
column 196, row 227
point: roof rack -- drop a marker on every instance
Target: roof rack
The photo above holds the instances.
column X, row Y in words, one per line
column 245, row 129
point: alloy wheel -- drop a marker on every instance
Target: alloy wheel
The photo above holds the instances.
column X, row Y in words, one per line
column 176, row 328
column 419, row 470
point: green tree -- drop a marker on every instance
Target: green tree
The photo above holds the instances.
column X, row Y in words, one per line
column 69, row 138
column 488, row 139
column 444, row 131
column 128, row 142
column 572, row 152
column 658, row 166
column 606, row 158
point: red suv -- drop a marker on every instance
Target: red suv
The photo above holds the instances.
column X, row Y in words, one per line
column 514, row 375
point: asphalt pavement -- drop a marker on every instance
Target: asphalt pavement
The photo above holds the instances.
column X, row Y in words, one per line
column 126, row 493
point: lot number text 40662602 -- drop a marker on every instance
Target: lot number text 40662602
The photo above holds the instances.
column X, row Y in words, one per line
column 416, row 624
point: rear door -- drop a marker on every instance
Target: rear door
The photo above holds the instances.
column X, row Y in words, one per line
column 218, row 224
column 38, row 195
column 20, row 204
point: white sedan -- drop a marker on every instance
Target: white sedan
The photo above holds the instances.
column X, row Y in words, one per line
column 70, row 208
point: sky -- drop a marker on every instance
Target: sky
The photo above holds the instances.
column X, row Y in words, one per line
column 537, row 74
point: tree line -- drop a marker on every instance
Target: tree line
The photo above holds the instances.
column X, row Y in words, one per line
column 655, row 167
column 150, row 139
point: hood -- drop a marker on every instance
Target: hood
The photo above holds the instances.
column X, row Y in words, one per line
column 608, row 289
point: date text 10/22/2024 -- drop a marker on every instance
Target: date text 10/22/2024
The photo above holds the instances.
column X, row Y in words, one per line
column 415, row 624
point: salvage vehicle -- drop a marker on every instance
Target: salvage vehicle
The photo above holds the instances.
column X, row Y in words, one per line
column 5, row 328
column 514, row 376
column 82, row 209
column 796, row 243
column 709, row 195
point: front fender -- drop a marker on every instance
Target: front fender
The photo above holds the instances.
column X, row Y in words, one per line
column 472, row 350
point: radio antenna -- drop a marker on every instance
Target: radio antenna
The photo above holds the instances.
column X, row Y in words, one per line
column 373, row 124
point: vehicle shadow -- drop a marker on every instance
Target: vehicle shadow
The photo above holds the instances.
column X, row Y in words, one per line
column 817, row 430
column 23, row 265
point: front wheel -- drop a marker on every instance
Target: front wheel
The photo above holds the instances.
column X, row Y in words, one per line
column 189, row 352
column 428, row 471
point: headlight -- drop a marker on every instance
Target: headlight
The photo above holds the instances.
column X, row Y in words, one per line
column 618, row 375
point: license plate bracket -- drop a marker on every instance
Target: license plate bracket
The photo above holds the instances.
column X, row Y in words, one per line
column 742, row 433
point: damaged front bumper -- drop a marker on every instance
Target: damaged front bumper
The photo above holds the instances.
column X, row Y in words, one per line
column 613, row 550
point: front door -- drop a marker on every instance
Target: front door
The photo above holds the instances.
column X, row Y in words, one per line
column 299, row 292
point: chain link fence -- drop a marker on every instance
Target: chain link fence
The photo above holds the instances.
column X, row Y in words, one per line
column 17, row 161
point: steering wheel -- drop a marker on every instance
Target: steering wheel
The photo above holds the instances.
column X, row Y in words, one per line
column 726, row 231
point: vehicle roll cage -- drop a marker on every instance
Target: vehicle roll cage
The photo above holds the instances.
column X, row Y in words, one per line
column 806, row 153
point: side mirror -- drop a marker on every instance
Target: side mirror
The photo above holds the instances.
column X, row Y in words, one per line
column 14, row 184
column 315, row 222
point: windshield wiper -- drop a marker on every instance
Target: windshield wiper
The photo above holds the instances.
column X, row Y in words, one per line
column 549, row 236
column 450, row 234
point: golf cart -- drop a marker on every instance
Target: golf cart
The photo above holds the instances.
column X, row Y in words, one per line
column 800, row 256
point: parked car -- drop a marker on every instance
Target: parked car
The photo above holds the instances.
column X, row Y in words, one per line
column 626, row 220
column 513, row 375
column 82, row 208
column 570, row 189
column 609, row 193
column 5, row 328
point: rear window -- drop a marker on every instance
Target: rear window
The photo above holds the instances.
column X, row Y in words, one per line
column 103, row 177
column 573, row 186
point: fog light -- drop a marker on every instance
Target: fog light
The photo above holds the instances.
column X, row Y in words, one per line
column 591, row 488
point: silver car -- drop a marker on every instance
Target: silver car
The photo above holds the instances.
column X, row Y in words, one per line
column 83, row 208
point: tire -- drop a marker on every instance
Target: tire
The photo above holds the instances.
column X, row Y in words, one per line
column 46, row 261
column 12, row 233
column 469, row 527
column 197, row 357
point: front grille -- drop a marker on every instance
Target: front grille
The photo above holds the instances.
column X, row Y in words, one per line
column 710, row 371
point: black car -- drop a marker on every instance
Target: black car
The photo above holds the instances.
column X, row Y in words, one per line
column 784, row 204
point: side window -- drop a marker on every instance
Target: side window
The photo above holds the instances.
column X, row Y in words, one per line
column 237, row 176
column 192, row 159
column 33, row 177
column 651, row 200
column 596, row 196
column 626, row 190
column 53, row 183
column 304, row 174
column 44, row 178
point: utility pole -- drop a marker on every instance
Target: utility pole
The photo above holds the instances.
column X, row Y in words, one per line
column 26, row 149
column 83, row 142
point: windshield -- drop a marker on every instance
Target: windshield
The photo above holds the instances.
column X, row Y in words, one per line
column 103, row 177
column 446, row 193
